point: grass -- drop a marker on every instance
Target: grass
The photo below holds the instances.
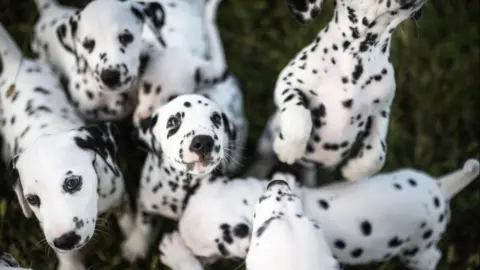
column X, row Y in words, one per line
column 434, row 126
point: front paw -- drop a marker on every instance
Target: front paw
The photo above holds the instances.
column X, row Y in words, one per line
column 175, row 254
column 295, row 126
column 135, row 247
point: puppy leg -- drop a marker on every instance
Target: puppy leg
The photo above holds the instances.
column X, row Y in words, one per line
column 422, row 259
column 137, row 243
column 124, row 216
column 372, row 153
column 176, row 255
column 70, row 261
column 294, row 122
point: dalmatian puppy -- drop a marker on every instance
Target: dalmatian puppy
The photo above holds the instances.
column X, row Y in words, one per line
column 284, row 238
column 62, row 171
column 186, row 67
column 402, row 213
column 333, row 98
column 7, row 262
column 189, row 140
column 98, row 50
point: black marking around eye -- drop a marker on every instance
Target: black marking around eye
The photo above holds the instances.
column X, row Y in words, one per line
column 72, row 184
column 264, row 226
column 125, row 38
column 216, row 119
column 175, row 129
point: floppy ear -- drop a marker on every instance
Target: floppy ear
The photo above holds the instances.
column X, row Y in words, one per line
column 66, row 33
column 13, row 179
column 143, row 134
column 102, row 139
column 152, row 14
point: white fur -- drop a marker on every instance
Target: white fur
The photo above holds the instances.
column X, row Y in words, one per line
column 172, row 168
column 337, row 91
column 108, row 25
column 43, row 138
column 220, row 207
column 283, row 237
column 402, row 213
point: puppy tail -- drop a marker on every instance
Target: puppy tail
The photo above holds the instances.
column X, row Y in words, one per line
column 455, row 181
column 10, row 53
column 43, row 5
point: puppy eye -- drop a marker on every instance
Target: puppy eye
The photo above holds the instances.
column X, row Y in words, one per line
column 216, row 118
column 33, row 200
column 89, row 44
column 172, row 122
column 125, row 38
column 72, row 184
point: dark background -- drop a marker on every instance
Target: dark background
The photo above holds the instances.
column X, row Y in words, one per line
column 434, row 124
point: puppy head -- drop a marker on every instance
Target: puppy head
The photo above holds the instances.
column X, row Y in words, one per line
column 280, row 198
column 363, row 12
column 106, row 38
column 191, row 132
column 56, row 179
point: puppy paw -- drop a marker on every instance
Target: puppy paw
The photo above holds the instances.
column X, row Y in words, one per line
column 369, row 161
column 295, row 125
column 135, row 247
column 176, row 255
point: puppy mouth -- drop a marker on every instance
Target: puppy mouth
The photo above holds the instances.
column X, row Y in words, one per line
column 199, row 164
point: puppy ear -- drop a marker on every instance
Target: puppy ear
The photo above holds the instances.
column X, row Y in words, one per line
column 143, row 134
column 304, row 11
column 101, row 138
column 13, row 178
column 152, row 14
column 66, row 33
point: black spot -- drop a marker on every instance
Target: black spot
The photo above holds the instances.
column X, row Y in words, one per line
column 410, row 252
column 356, row 253
column 412, row 182
column 395, row 242
column 347, row 103
column 436, row 202
column 241, row 230
column 427, row 234
column 366, row 228
column 339, row 244
column 397, row 186
column 324, row 204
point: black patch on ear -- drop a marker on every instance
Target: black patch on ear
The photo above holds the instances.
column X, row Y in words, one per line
column 62, row 35
column 99, row 139
column 148, row 123
column 11, row 173
column 137, row 13
column 154, row 11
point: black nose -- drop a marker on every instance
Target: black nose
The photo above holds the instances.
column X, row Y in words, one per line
column 276, row 182
column 67, row 241
column 202, row 145
column 110, row 77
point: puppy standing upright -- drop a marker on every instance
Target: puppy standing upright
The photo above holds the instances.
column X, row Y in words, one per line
column 63, row 172
column 333, row 98
column 98, row 50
